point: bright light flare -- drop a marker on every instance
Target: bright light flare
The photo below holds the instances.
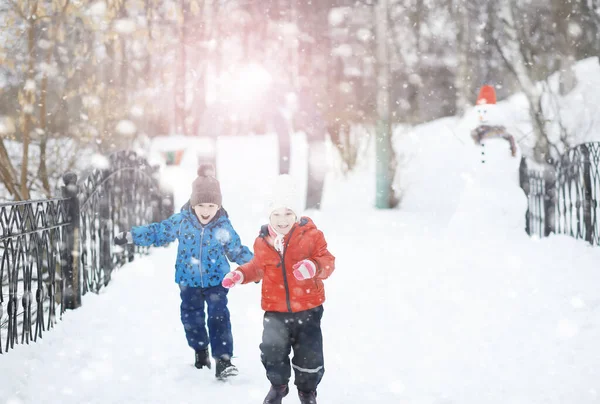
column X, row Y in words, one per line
column 244, row 85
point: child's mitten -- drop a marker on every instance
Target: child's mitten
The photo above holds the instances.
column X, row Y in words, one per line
column 304, row 269
column 232, row 279
column 123, row 238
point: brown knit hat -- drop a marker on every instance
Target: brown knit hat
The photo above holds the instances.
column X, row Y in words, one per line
column 206, row 188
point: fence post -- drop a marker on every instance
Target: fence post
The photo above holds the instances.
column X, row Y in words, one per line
column 549, row 199
column 587, row 195
column 72, row 275
column 526, row 187
column 105, row 239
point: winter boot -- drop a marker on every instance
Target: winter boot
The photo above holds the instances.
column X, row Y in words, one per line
column 307, row 397
column 276, row 394
column 202, row 359
column 225, row 368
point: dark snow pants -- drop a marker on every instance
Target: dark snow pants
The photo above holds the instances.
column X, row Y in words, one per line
column 194, row 321
column 302, row 332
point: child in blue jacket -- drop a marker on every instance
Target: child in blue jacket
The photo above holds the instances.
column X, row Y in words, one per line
column 206, row 240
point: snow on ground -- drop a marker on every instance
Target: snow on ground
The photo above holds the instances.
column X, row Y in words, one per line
column 413, row 315
column 417, row 312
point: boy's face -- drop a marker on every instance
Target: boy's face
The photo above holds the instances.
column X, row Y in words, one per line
column 282, row 220
column 206, row 211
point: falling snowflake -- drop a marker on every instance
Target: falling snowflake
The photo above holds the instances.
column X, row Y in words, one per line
column 223, row 236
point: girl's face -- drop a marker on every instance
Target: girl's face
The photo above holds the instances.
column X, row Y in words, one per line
column 206, row 211
column 282, row 220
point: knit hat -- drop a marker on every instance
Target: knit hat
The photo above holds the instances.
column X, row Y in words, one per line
column 284, row 195
column 206, row 188
column 487, row 95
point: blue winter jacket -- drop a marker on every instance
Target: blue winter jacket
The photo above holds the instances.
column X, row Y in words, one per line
column 203, row 250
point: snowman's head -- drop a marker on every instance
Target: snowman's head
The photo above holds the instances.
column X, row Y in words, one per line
column 486, row 109
column 488, row 114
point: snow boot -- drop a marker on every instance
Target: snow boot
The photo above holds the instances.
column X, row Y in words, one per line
column 307, row 397
column 202, row 359
column 225, row 368
column 276, row 394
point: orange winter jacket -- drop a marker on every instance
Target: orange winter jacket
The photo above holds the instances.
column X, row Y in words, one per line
column 281, row 291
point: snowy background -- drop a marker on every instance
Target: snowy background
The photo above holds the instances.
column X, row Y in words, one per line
column 444, row 300
column 423, row 308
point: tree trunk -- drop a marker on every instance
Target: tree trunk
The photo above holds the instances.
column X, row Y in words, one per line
column 564, row 12
column 462, row 78
column 180, row 80
column 510, row 47
column 28, row 107
column 43, row 169
column 8, row 174
column 489, row 57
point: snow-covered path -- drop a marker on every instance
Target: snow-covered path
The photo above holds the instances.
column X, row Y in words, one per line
column 409, row 319
column 415, row 314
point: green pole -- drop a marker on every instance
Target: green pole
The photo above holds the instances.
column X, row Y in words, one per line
column 383, row 137
column 383, row 145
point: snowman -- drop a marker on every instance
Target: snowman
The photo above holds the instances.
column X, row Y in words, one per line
column 492, row 203
column 499, row 154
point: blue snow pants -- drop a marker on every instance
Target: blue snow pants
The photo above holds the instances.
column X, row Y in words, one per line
column 194, row 319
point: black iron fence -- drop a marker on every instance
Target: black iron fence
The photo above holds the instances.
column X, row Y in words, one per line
column 33, row 257
column 578, row 191
column 54, row 251
column 564, row 198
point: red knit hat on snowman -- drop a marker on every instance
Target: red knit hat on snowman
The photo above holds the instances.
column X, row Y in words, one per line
column 487, row 95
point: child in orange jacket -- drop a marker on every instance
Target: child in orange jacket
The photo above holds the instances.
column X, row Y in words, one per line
column 292, row 260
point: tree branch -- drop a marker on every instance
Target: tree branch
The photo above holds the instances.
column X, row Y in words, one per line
column 8, row 173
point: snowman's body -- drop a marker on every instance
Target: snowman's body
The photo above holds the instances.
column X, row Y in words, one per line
column 499, row 157
column 493, row 203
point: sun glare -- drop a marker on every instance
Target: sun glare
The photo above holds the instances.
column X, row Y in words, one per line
column 244, row 85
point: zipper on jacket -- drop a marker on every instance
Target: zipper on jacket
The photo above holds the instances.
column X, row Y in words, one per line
column 282, row 256
column 200, row 264
column 285, row 282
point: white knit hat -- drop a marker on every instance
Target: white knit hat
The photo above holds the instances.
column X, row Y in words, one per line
column 284, row 194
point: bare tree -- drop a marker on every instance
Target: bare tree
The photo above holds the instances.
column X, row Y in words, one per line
column 567, row 34
column 517, row 58
column 462, row 78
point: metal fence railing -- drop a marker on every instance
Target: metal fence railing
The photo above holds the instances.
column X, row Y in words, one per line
column 578, row 191
column 32, row 259
column 564, row 198
column 54, row 251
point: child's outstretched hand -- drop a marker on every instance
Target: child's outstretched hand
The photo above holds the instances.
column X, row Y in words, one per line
column 123, row 237
column 232, row 279
column 304, row 269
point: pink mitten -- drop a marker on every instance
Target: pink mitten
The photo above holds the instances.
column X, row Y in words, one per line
column 304, row 269
column 232, row 279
